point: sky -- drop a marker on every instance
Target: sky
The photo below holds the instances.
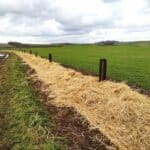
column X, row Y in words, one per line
column 75, row 21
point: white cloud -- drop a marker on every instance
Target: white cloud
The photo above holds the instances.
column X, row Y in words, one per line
column 74, row 20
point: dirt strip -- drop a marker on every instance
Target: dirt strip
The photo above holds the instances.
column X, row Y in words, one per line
column 120, row 113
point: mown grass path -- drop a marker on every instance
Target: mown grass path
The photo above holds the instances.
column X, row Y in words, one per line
column 24, row 123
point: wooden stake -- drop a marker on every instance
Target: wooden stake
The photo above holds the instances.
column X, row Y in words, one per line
column 50, row 57
column 36, row 54
column 102, row 69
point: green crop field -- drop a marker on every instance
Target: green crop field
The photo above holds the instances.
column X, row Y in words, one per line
column 129, row 63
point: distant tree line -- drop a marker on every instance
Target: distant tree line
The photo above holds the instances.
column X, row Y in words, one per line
column 108, row 42
column 21, row 45
column 18, row 44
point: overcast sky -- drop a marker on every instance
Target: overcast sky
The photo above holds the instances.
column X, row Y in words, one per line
column 50, row 21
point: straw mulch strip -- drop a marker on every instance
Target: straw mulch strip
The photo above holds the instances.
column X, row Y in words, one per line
column 120, row 113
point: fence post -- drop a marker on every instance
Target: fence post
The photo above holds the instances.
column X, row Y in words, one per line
column 30, row 51
column 102, row 69
column 36, row 54
column 50, row 57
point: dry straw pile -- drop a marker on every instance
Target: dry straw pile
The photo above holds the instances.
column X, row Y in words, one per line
column 120, row 113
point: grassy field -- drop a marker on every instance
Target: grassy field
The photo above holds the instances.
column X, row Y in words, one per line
column 24, row 122
column 129, row 63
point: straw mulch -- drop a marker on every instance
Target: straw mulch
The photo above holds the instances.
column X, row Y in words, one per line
column 120, row 113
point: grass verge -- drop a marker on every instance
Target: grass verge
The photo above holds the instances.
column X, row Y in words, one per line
column 24, row 123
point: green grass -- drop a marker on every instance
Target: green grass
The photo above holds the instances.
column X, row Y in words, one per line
column 24, row 122
column 129, row 63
